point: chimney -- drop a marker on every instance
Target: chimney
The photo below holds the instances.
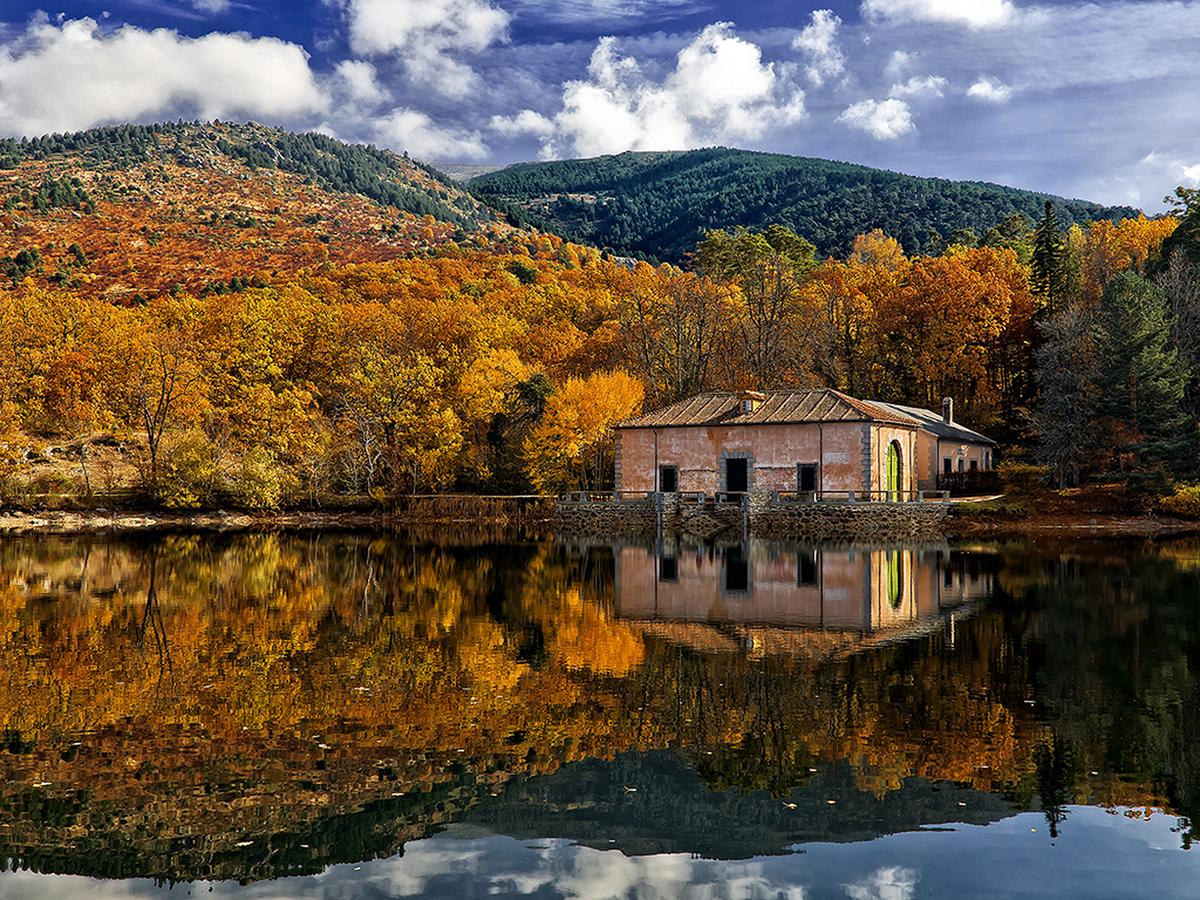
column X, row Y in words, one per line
column 751, row 400
column 948, row 410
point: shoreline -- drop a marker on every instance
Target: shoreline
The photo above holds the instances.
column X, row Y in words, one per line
column 961, row 524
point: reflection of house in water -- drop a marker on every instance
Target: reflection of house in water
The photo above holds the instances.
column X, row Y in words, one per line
column 768, row 598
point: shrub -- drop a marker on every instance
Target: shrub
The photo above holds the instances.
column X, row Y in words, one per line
column 1022, row 478
column 1184, row 503
column 259, row 482
column 190, row 475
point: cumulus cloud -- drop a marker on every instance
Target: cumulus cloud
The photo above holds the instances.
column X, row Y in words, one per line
column 359, row 81
column 719, row 90
column 525, row 122
column 900, row 63
column 414, row 131
column 884, row 120
column 917, row 86
column 819, row 41
column 71, row 75
column 428, row 36
column 971, row 13
column 990, row 90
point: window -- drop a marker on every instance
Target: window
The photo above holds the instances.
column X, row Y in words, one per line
column 808, row 568
column 962, row 464
column 806, row 477
column 974, row 465
column 668, row 479
column 946, row 466
column 668, row 568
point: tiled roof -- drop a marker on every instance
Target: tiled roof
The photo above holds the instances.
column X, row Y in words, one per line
column 934, row 423
column 777, row 408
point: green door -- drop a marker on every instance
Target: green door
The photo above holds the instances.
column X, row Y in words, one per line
column 892, row 481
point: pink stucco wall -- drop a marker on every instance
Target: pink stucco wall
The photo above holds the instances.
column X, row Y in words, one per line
column 837, row 448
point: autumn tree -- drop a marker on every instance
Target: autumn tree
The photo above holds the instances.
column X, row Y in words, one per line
column 769, row 268
column 675, row 323
column 573, row 444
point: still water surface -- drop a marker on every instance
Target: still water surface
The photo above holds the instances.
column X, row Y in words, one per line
column 346, row 716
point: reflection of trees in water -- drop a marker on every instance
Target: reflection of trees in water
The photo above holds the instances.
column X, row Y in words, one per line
column 1056, row 777
column 152, row 618
column 410, row 652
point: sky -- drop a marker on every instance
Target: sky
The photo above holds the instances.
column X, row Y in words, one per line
column 1098, row 100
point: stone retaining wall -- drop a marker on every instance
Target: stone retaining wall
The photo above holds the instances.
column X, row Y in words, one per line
column 760, row 516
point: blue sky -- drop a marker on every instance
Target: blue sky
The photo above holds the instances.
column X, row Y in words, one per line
column 1098, row 100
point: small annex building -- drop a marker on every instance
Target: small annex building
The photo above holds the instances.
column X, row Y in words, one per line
column 818, row 441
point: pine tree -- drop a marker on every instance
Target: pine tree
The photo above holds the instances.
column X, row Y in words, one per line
column 1048, row 267
column 1066, row 374
column 1141, row 404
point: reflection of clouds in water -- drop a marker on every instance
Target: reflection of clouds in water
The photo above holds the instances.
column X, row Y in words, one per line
column 888, row 883
column 580, row 873
column 408, row 875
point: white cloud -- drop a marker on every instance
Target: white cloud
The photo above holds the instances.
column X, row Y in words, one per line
column 426, row 36
column 525, row 122
column 971, row 13
column 360, row 82
column 412, row 130
column 884, row 120
column 990, row 90
column 68, row 76
column 899, row 64
column 819, row 41
column 927, row 86
column 720, row 90
column 212, row 6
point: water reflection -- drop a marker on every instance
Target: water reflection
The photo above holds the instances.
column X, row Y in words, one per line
column 264, row 706
column 770, row 598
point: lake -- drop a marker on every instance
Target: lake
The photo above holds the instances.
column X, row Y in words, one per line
column 359, row 715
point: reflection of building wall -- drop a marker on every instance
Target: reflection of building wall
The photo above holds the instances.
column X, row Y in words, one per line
column 843, row 589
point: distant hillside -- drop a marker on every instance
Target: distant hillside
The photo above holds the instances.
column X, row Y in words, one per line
column 140, row 210
column 659, row 204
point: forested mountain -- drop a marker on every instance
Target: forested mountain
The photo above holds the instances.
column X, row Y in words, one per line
column 142, row 210
column 658, row 205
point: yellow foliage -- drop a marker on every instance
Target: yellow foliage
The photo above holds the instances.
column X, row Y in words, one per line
column 572, row 445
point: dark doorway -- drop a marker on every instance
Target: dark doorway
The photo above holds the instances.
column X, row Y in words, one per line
column 808, row 567
column 807, row 478
column 737, row 476
column 668, row 479
column 735, row 572
column 668, row 568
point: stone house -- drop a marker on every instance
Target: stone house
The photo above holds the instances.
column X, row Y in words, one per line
column 945, row 447
column 819, row 441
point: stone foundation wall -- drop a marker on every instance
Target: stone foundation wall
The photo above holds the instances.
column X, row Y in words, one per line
column 855, row 521
column 760, row 515
column 612, row 518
